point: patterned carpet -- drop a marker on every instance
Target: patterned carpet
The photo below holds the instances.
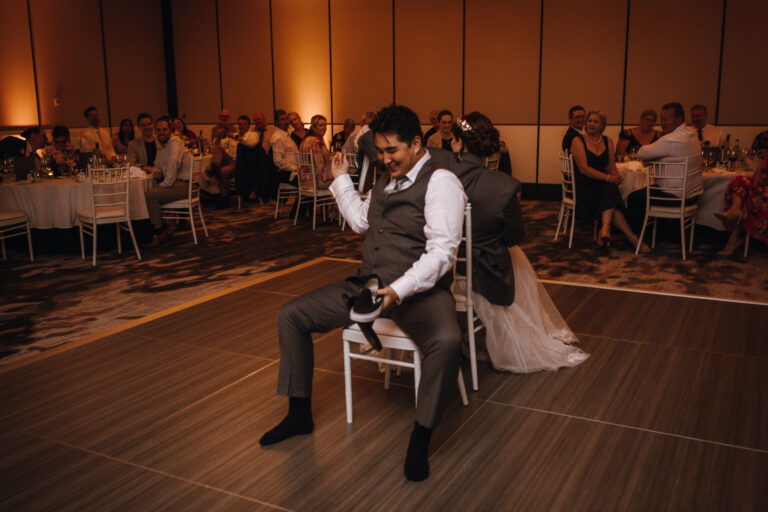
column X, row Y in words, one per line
column 60, row 298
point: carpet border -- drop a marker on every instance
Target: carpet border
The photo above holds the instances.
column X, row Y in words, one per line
column 154, row 316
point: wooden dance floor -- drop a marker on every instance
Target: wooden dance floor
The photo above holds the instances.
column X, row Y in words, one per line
column 669, row 413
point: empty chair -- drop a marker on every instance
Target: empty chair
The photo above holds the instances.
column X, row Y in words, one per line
column 308, row 191
column 666, row 178
column 110, row 204
column 568, row 203
column 15, row 223
column 184, row 209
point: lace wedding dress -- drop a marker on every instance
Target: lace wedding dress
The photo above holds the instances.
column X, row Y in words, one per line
column 529, row 335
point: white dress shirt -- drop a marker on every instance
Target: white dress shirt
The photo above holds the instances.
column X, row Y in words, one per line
column 283, row 150
column 710, row 135
column 677, row 146
column 168, row 161
column 92, row 136
column 444, row 205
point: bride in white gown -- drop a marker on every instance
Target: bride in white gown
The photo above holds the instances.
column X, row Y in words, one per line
column 524, row 330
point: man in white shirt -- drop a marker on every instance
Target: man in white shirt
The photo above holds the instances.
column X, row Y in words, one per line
column 706, row 134
column 678, row 144
column 412, row 222
column 96, row 137
column 283, row 149
column 172, row 178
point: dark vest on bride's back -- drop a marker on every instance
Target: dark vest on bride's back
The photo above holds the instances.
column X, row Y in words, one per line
column 497, row 223
column 395, row 238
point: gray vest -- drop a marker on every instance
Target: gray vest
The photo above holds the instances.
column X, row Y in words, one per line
column 395, row 238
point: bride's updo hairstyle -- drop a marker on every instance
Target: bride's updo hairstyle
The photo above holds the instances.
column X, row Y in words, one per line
column 477, row 133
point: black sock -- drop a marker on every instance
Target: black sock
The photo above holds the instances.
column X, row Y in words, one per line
column 416, row 463
column 298, row 422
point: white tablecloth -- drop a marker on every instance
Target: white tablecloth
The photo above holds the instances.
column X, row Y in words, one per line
column 54, row 203
column 634, row 177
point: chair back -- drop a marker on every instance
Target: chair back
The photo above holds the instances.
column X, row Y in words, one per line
column 193, row 168
column 110, row 187
column 305, row 167
column 462, row 277
column 492, row 162
column 566, row 177
column 665, row 179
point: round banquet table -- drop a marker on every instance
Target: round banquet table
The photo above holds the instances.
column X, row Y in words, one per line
column 54, row 203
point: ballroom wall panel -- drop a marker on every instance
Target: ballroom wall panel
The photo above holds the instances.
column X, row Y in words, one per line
column 361, row 45
column 246, row 59
column 70, row 60
column 501, row 75
column 745, row 55
column 302, row 72
column 18, row 105
column 197, row 70
column 674, row 56
column 582, row 58
column 428, row 55
column 135, row 59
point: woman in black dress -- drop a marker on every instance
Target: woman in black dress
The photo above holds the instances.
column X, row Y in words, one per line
column 632, row 139
column 597, row 180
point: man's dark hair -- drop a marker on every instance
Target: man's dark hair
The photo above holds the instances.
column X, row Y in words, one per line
column 699, row 106
column 445, row 112
column 60, row 131
column 279, row 112
column 244, row 118
column 32, row 130
column 574, row 109
column 677, row 108
column 163, row 119
column 141, row 116
column 87, row 110
column 399, row 120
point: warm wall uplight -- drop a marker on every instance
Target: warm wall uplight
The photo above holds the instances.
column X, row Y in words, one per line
column 17, row 104
column 17, row 81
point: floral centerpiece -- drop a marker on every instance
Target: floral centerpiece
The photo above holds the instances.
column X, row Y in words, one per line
column 62, row 158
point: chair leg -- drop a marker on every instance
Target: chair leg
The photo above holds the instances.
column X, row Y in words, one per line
column 133, row 239
column 746, row 243
column 559, row 220
column 314, row 212
column 655, row 225
column 388, row 369
column 298, row 207
column 32, row 254
column 642, row 234
column 348, row 381
column 277, row 204
column 119, row 239
column 192, row 223
column 94, row 236
column 82, row 242
column 472, row 347
column 693, row 228
column 463, row 389
column 416, row 374
column 682, row 236
column 202, row 219
column 572, row 219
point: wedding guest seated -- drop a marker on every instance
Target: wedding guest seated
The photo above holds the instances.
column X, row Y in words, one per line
column 632, row 139
column 262, row 130
column 706, row 134
column 678, row 144
column 298, row 132
column 224, row 156
column 36, row 139
column 60, row 134
column 597, row 180
column 315, row 143
column 576, row 116
column 172, row 179
column 746, row 202
column 443, row 137
column 338, row 140
column 143, row 150
column 224, row 125
column 96, row 137
column 283, row 149
column 434, row 118
column 122, row 138
column 181, row 131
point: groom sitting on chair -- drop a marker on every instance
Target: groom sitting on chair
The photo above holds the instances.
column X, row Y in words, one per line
column 412, row 220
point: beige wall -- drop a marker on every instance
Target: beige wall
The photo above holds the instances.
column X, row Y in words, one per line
column 427, row 54
column 18, row 106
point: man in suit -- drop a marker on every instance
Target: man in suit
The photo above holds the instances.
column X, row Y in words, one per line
column 577, row 115
column 143, row 150
column 412, row 221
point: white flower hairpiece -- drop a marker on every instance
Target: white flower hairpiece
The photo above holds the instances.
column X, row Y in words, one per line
column 463, row 124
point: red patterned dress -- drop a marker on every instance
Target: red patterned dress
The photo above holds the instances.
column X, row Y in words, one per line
column 754, row 196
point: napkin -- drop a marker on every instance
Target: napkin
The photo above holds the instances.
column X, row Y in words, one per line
column 137, row 172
